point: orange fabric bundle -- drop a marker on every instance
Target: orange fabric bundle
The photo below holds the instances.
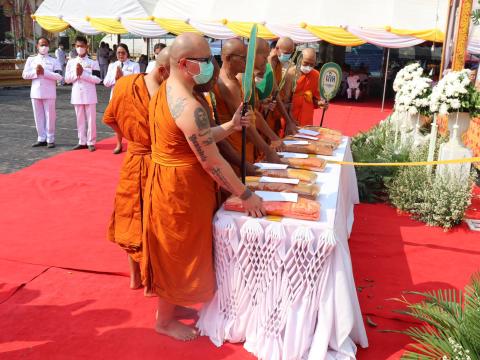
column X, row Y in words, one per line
column 307, row 191
column 323, row 130
column 314, row 164
column 316, row 148
column 304, row 209
column 306, row 176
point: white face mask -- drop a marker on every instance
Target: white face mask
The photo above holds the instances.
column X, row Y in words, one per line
column 80, row 50
column 306, row 69
column 43, row 50
column 258, row 80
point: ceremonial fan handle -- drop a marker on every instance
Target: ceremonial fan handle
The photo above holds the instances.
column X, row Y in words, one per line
column 323, row 113
column 244, row 145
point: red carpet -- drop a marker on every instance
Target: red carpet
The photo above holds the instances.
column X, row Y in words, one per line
column 62, row 290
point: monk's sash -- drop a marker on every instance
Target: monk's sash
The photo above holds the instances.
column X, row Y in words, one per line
column 307, row 95
column 135, row 148
column 167, row 160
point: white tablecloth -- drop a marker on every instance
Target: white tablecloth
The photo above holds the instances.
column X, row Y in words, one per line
column 286, row 288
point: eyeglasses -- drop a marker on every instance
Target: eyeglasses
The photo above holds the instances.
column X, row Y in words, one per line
column 205, row 59
column 243, row 57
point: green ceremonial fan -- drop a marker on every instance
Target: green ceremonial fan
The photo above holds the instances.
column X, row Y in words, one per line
column 265, row 87
column 247, row 86
column 329, row 83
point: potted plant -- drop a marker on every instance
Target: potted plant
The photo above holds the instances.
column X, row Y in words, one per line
column 456, row 97
column 412, row 92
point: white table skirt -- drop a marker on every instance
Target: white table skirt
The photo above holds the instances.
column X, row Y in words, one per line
column 286, row 288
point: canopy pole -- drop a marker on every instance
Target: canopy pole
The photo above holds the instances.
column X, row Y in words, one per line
column 119, row 39
column 385, row 81
column 148, row 49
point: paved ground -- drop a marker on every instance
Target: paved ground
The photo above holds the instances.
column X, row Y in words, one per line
column 18, row 133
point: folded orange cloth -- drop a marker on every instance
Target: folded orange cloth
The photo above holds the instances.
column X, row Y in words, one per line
column 308, row 191
column 314, row 164
column 315, row 148
column 322, row 130
column 321, row 138
column 306, row 176
column 304, row 209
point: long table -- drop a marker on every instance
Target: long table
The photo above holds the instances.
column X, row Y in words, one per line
column 286, row 288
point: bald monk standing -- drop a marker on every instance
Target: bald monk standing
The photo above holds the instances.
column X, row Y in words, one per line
column 228, row 95
column 208, row 99
column 306, row 97
column 279, row 119
column 127, row 114
column 177, row 263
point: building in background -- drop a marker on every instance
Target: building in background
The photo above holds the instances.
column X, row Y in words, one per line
column 17, row 29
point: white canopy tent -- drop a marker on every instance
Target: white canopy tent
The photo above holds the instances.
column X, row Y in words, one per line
column 387, row 23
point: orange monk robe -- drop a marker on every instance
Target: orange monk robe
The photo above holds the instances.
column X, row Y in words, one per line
column 177, row 261
column 224, row 115
column 128, row 108
column 305, row 98
column 274, row 117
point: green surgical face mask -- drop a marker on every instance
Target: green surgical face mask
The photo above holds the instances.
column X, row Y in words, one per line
column 206, row 72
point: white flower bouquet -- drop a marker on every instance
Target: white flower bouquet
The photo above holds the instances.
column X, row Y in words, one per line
column 408, row 73
column 413, row 96
column 455, row 92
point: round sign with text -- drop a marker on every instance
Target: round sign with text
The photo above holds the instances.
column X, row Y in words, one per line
column 330, row 80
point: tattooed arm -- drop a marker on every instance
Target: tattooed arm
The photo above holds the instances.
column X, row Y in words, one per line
column 194, row 123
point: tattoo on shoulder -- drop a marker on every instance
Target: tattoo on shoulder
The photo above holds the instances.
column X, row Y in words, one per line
column 175, row 105
column 202, row 121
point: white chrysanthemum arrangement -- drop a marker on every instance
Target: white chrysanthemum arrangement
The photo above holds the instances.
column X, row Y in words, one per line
column 413, row 90
column 408, row 73
column 454, row 92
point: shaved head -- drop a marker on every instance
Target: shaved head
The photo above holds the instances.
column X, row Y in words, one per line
column 163, row 58
column 286, row 45
column 234, row 54
column 261, row 57
column 233, row 46
column 309, row 55
column 188, row 45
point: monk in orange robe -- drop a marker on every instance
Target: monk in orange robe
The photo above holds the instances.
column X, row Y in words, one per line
column 306, row 97
column 228, row 96
column 127, row 114
column 177, row 261
column 279, row 119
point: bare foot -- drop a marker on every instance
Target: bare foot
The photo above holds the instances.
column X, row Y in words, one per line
column 148, row 293
column 184, row 312
column 177, row 330
column 135, row 282
column 135, row 275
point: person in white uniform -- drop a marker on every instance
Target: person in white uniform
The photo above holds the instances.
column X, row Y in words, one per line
column 84, row 73
column 122, row 67
column 43, row 70
column 62, row 60
column 156, row 50
column 353, row 82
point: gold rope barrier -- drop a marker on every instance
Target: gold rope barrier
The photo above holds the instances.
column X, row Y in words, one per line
column 418, row 163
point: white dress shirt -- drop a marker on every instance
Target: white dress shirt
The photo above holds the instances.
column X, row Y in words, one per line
column 151, row 66
column 43, row 86
column 83, row 89
column 353, row 82
column 129, row 67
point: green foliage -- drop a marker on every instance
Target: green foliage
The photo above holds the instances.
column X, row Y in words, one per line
column 451, row 327
column 376, row 145
column 434, row 200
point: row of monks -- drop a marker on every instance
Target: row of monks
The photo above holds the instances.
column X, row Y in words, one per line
column 183, row 124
